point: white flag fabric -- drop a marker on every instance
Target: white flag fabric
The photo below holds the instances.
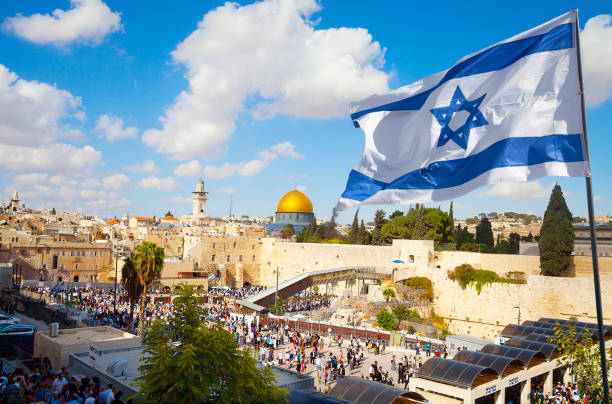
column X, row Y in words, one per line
column 510, row 112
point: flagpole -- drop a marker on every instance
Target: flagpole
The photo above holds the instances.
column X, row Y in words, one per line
column 594, row 255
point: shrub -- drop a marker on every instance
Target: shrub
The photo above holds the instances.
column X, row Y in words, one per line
column 421, row 282
column 385, row 320
column 466, row 275
column 403, row 313
column 411, row 329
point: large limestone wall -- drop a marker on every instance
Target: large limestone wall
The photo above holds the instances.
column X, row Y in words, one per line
column 500, row 263
column 293, row 259
column 484, row 315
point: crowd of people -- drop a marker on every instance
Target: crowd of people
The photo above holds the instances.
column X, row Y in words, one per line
column 49, row 387
column 560, row 394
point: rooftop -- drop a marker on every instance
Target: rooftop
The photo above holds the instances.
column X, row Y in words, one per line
column 74, row 336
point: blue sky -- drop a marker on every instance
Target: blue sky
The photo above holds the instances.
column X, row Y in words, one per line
column 132, row 101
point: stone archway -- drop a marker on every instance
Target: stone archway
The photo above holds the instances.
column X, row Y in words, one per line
column 76, row 278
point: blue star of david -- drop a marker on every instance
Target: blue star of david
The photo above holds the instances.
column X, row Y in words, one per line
column 445, row 114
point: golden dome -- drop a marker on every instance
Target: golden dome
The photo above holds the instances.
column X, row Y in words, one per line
column 294, row 202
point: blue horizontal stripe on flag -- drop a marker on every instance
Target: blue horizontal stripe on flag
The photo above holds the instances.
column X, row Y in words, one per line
column 508, row 152
column 495, row 58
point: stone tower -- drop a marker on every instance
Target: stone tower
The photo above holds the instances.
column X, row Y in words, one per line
column 199, row 202
column 14, row 204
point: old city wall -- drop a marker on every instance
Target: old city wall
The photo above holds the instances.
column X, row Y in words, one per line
column 485, row 314
column 293, row 259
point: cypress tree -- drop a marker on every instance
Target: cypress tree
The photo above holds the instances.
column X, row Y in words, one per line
column 556, row 235
column 354, row 233
column 363, row 234
column 484, row 233
column 379, row 222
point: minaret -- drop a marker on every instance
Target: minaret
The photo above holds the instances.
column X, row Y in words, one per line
column 199, row 202
column 14, row 204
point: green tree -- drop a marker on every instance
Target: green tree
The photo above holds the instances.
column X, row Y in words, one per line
column 365, row 237
column 330, row 227
column 385, row 320
column 420, row 224
column 288, row 231
column 149, row 262
column 463, row 236
column 353, row 237
column 379, row 222
column 131, row 285
column 556, row 235
column 389, row 294
column 451, row 215
column 484, row 233
column 53, row 211
column 395, row 214
column 189, row 362
column 582, row 359
column 168, row 213
column 514, row 242
column 313, row 233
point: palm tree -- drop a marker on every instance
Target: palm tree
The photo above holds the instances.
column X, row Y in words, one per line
column 131, row 284
column 389, row 293
column 149, row 260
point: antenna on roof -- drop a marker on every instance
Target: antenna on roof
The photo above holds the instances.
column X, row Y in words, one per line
column 230, row 210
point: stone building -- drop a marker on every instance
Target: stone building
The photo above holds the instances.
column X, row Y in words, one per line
column 42, row 257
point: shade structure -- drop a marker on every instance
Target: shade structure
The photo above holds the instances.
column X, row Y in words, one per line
column 503, row 365
column 364, row 391
column 456, row 373
column 592, row 327
column 310, row 396
column 544, row 347
column 528, row 357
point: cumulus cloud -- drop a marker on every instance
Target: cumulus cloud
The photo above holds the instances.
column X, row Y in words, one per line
column 64, row 192
column 218, row 173
column 270, row 52
column 286, row 149
column 190, row 169
column 116, row 181
column 227, row 190
column 180, row 199
column 252, row 167
column 54, row 157
column 596, row 42
column 111, row 127
column 33, row 113
column 34, row 118
column 87, row 21
column 519, row 191
column 146, row 167
column 160, row 184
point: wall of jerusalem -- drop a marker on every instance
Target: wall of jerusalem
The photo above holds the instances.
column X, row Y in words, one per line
column 466, row 311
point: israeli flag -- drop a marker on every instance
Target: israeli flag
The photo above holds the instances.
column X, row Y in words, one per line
column 510, row 112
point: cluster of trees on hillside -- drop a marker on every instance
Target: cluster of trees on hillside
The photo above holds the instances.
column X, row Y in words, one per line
column 419, row 223
column 483, row 240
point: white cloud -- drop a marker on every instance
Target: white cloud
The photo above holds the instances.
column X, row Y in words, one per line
column 146, row 167
column 87, row 21
column 180, row 199
column 302, row 188
column 111, row 127
column 523, row 191
column 269, row 51
column 227, row 190
column 34, row 113
column 64, row 192
column 58, row 157
column 248, row 168
column 160, row 184
column 190, row 169
column 596, row 42
column 286, row 149
column 116, row 181
column 218, row 173
column 251, row 168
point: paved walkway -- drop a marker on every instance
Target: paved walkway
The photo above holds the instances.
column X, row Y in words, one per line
column 384, row 362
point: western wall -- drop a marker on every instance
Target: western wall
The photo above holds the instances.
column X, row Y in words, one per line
column 465, row 311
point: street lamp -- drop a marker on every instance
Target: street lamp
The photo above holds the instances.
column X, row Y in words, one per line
column 115, row 299
column 519, row 314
